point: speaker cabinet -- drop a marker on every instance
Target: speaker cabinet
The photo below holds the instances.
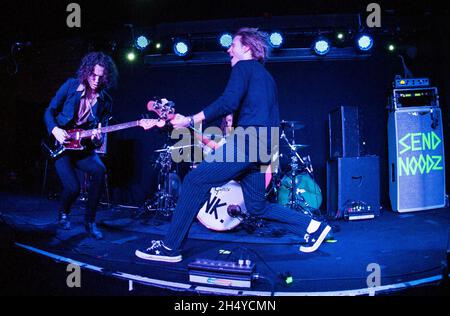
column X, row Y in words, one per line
column 343, row 124
column 353, row 179
column 416, row 159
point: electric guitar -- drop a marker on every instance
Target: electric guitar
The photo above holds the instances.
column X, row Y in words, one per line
column 53, row 149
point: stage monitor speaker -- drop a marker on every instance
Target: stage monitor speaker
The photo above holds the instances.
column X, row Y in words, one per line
column 353, row 179
column 416, row 159
column 343, row 124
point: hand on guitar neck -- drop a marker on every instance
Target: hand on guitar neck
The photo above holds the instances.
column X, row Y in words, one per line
column 180, row 121
column 97, row 134
column 166, row 110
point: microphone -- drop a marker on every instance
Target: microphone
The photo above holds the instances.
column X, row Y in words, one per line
column 235, row 211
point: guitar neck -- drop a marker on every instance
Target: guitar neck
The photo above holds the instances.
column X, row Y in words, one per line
column 108, row 129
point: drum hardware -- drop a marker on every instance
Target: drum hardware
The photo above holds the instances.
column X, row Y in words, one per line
column 297, row 146
column 303, row 194
column 169, row 184
column 172, row 148
column 291, row 125
column 294, row 154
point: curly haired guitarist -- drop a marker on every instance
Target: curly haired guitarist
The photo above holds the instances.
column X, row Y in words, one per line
column 82, row 102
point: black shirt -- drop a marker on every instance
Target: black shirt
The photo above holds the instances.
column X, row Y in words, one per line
column 251, row 94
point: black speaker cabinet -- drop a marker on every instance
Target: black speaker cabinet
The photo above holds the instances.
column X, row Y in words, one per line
column 353, row 179
column 343, row 124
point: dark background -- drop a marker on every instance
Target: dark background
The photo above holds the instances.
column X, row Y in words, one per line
column 307, row 90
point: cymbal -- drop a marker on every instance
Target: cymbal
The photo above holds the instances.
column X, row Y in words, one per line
column 291, row 124
column 297, row 145
column 170, row 148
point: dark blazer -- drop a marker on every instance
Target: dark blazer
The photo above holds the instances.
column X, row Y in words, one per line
column 64, row 107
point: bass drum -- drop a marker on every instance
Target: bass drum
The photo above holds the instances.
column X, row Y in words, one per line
column 307, row 192
column 223, row 200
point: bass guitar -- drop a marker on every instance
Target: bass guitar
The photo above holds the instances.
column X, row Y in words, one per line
column 53, row 149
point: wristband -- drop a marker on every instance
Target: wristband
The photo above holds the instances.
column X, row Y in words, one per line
column 191, row 121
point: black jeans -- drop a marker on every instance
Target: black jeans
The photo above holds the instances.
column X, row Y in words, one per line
column 88, row 162
column 198, row 183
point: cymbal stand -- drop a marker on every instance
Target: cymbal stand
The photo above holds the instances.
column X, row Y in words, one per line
column 294, row 152
column 163, row 202
column 295, row 170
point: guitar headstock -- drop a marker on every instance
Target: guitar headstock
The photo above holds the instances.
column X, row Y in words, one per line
column 164, row 108
column 150, row 123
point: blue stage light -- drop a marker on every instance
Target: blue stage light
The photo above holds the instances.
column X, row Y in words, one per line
column 142, row 42
column 275, row 39
column 364, row 42
column 181, row 48
column 321, row 46
column 225, row 40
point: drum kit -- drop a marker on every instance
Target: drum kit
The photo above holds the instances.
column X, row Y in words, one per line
column 292, row 186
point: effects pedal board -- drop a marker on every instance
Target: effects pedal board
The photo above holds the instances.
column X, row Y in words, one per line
column 357, row 210
column 222, row 273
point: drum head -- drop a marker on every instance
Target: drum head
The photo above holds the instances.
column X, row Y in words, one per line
column 307, row 193
column 174, row 186
column 214, row 213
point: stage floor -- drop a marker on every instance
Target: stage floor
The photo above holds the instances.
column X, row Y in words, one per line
column 408, row 250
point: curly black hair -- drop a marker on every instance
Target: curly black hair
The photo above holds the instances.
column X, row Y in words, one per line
column 88, row 63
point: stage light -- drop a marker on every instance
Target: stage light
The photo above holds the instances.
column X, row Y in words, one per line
column 391, row 48
column 340, row 36
column 276, row 39
column 364, row 42
column 321, row 46
column 131, row 56
column 142, row 42
column 181, row 48
column 158, row 45
column 225, row 40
